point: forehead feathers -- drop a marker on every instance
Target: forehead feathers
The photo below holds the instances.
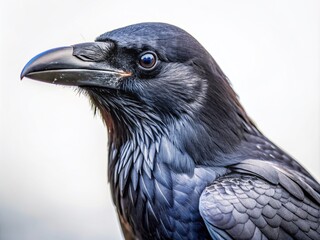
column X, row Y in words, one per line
column 171, row 42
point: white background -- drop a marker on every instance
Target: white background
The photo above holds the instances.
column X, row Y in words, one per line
column 53, row 157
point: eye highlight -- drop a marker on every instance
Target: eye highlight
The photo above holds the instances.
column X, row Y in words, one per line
column 148, row 60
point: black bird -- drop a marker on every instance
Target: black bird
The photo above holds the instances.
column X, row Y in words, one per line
column 185, row 160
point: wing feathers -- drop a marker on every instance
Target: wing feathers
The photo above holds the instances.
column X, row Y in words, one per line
column 249, row 207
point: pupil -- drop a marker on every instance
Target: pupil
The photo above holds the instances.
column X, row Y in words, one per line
column 147, row 59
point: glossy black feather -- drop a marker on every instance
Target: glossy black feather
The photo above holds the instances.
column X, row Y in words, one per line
column 178, row 132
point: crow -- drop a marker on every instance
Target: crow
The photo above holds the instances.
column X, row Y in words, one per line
column 185, row 160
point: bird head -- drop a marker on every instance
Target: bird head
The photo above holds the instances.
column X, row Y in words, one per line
column 150, row 74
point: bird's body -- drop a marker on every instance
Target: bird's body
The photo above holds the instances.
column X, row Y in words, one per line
column 185, row 160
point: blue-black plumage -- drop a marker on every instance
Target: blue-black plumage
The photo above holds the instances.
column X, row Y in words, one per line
column 185, row 160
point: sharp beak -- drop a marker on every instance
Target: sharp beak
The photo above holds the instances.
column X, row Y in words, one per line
column 83, row 64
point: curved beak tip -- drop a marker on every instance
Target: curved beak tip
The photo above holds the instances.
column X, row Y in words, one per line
column 24, row 72
column 27, row 68
column 43, row 60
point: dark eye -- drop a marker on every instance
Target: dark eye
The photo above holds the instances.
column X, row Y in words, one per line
column 148, row 60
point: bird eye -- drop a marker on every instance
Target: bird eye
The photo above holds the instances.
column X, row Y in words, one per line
column 148, row 60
